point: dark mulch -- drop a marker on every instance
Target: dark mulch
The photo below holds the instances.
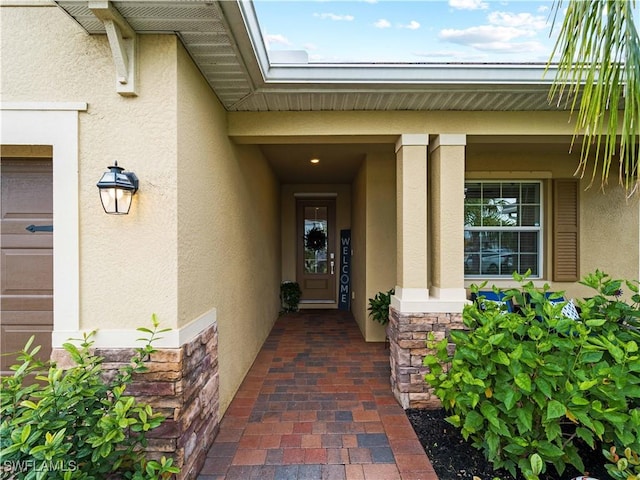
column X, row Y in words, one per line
column 455, row 459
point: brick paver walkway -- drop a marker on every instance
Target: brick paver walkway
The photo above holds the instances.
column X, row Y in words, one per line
column 317, row 405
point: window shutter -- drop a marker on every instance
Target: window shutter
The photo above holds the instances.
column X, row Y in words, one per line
column 566, row 230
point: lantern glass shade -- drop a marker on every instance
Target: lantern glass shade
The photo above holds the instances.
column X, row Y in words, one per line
column 117, row 189
column 116, row 200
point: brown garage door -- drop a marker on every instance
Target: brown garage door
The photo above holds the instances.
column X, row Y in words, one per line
column 26, row 262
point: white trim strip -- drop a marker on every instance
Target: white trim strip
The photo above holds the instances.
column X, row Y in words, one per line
column 412, row 139
column 428, row 306
column 507, row 175
column 129, row 338
column 449, row 140
column 45, row 106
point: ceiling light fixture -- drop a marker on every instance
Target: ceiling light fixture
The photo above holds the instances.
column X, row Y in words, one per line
column 315, row 161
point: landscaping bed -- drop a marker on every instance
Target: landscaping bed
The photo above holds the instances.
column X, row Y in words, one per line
column 455, row 459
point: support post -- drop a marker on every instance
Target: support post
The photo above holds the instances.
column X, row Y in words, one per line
column 447, row 162
column 412, row 269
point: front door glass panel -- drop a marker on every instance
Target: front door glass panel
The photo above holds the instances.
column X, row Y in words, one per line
column 315, row 240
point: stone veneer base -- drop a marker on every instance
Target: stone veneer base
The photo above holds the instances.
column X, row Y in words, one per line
column 182, row 384
column 407, row 334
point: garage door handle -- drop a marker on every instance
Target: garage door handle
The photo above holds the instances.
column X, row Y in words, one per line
column 39, row 228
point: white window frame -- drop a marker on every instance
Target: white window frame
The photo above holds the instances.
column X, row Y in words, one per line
column 540, row 229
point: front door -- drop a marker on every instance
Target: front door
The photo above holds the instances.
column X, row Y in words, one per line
column 26, row 264
column 316, row 260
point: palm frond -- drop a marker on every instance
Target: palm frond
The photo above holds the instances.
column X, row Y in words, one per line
column 599, row 75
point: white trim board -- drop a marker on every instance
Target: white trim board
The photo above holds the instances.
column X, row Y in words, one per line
column 128, row 338
column 55, row 124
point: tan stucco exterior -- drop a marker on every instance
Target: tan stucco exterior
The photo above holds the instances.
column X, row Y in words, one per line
column 247, row 127
column 228, row 230
column 212, row 233
column 373, row 237
column 205, row 234
column 62, row 63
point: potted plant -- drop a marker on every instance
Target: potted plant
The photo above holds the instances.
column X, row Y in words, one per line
column 379, row 306
column 290, row 294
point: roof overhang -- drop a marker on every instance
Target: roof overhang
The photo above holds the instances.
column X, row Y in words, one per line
column 224, row 40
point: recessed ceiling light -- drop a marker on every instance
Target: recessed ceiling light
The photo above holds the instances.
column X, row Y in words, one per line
column 315, row 161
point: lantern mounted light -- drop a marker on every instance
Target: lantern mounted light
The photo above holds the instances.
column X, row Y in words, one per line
column 117, row 188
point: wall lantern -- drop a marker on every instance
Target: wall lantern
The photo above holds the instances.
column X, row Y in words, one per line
column 117, row 188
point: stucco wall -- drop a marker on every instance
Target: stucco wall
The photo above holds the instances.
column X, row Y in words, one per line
column 609, row 233
column 128, row 263
column 203, row 234
column 359, row 302
column 248, row 126
column 228, row 230
column 374, row 237
column 381, row 231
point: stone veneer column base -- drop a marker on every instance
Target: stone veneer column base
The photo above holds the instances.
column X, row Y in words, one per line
column 407, row 334
column 182, row 384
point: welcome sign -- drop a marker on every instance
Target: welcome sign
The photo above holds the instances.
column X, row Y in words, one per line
column 344, row 293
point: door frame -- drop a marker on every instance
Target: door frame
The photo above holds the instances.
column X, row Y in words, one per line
column 56, row 124
column 331, row 204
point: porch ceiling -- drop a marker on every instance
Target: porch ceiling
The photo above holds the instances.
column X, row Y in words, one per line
column 224, row 41
column 339, row 163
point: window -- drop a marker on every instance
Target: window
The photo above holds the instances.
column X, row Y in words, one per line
column 502, row 228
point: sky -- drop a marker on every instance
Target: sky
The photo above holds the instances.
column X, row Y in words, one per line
column 434, row 31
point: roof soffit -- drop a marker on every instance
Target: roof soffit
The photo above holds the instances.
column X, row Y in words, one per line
column 224, row 41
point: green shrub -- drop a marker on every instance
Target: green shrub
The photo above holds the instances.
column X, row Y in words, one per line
column 290, row 294
column 526, row 387
column 626, row 467
column 72, row 424
column 379, row 306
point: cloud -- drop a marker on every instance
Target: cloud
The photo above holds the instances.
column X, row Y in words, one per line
column 468, row 4
column 334, row 17
column 506, row 33
column 526, row 20
column 382, row 23
column 412, row 25
column 511, row 47
column 277, row 39
column 495, row 38
column 482, row 34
